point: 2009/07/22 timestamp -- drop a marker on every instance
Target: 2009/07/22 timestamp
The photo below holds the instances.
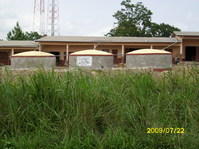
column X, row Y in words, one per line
column 166, row 130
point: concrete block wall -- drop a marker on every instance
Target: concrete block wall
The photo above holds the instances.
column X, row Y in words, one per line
column 33, row 62
column 149, row 61
column 98, row 62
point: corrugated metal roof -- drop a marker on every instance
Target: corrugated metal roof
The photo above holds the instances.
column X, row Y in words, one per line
column 148, row 51
column 33, row 53
column 91, row 52
column 108, row 39
column 19, row 44
column 186, row 33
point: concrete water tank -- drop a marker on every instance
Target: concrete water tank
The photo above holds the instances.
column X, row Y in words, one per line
column 149, row 58
column 33, row 59
column 92, row 59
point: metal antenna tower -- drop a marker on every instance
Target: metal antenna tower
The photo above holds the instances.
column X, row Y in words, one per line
column 39, row 20
column 53, row 17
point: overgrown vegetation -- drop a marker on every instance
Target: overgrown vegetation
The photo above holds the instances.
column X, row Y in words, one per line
column 73, row 110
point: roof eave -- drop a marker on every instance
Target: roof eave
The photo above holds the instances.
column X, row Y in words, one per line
column 13, row 46
column 178, row 41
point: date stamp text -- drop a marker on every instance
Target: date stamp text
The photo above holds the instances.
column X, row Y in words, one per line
column 166, row 130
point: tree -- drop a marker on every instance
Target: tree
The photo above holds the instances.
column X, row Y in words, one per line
column 32, row 35
column 162, row 30
column 17, row 34
column 132, row 20
column 135, row 20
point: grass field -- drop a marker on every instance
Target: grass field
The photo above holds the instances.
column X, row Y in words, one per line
column 112, row 110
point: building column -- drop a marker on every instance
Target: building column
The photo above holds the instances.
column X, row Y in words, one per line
column 95, row 46
column 12, row 52
column 151, row 47
column 67, row 54
column 181, row 51
column 40, row 47
column 123, row 53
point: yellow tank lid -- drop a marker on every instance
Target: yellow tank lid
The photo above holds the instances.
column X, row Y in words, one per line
column 33, row 53
column 148, row 51
column 91, row 52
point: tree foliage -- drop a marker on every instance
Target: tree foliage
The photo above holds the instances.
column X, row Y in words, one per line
column 32, row 35
column 17, row 34
column 162, row 30
column 135, row 20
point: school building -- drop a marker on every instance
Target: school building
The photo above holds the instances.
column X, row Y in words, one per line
column 183, row 45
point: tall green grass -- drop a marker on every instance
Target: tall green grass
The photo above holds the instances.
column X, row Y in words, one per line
column 105, row 110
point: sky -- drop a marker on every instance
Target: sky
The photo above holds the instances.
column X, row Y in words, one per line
column 94, row 17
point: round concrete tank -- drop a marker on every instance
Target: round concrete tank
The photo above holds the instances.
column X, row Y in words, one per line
column 149, row 58
column 33, row 59
column 92, row 59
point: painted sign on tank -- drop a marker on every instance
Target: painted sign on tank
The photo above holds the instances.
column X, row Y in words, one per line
column 84, row 61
